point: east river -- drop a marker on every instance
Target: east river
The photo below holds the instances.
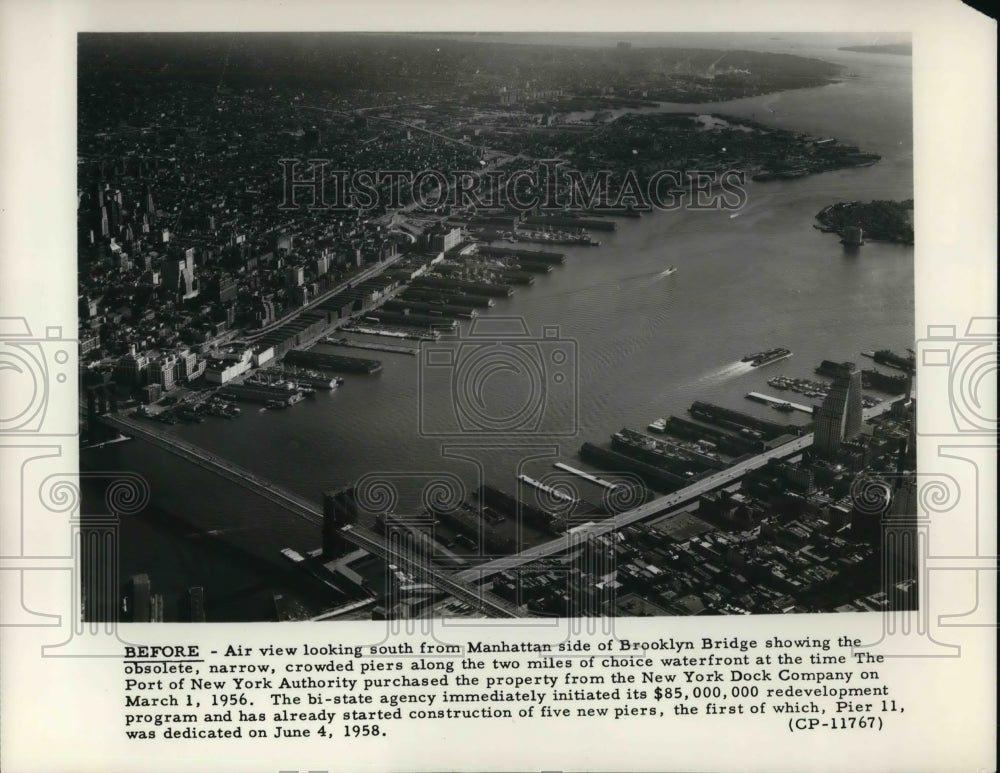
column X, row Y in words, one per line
column 645, row 345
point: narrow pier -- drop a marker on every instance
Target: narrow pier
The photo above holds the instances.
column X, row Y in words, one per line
column 330, row 341
column 758, row 397
column 585, row 475
column 386, row 333
column 555, row 493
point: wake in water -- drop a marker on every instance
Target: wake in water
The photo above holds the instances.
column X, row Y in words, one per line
column 726, row 372
column 651, row 276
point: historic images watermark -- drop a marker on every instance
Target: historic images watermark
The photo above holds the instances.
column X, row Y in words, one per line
column 548, row 186
column 542, row 370
column 41, row 369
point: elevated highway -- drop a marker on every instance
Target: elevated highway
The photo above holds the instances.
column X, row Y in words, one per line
column 655, row 507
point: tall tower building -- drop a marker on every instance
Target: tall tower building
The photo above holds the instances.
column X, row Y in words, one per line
column 839, row 417
column 113, row 212
column 148, row 205
column 179, row 276
column 853, row 413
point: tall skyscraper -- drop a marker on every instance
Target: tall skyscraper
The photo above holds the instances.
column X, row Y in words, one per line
column 179, row 277
column 113, row 212
column 839, row 417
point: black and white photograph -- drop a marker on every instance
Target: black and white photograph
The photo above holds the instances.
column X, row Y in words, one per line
column 497, row 386
column 498, row 325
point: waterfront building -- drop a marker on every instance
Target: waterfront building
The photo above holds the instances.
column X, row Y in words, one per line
column 262, row 354
column 151, row 393
column 164, row 371
column 131, row 368
column 442, row 239
column 839, row 417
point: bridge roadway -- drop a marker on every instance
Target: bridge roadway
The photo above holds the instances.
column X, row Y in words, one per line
column 303, row 508
column 459, row 583
column 656, row 507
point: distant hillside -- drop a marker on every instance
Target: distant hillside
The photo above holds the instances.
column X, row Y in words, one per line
column 902, row 49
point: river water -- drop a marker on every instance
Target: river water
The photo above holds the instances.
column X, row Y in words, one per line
column 639, row 345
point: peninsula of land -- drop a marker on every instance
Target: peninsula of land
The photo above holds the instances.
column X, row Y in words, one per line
column 886, row 221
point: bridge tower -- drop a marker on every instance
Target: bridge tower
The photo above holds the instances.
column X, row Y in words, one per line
column 339, row 509
column 101, row 399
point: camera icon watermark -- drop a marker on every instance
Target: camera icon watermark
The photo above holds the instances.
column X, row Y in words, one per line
column 964, row 368
column 39, row 375
column 499, row 381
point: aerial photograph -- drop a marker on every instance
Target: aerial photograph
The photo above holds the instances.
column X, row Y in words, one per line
column 386, row 326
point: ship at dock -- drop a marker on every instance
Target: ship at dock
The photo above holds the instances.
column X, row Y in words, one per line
column 331, row 362
column 312, row 379
column 268, row 389
column 766, row 358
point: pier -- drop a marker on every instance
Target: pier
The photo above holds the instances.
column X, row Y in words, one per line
column 585, row 475
column 401, row 333
column 423, row 321
column 552, row 492
column 330, row 341
column 534, row 256
column 571, row 222
column 489, row 289
column 768, row 400
column 334, row 362
column 738, row 421
column 430, row 308
column 660, row 505
column 446, row 296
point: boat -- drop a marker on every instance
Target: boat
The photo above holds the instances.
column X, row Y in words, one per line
column 293, row 555
column 767, row 357
column 669, row 271
column 307, row 379
column 660, row 425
